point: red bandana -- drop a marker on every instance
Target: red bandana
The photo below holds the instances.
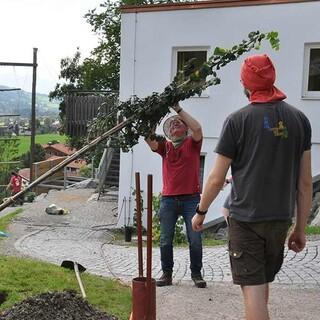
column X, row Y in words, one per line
column 258, row 75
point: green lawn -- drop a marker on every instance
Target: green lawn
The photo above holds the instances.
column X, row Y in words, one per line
column 24, row 145
column 23, row 278
column 5, row 220
column 312, row 230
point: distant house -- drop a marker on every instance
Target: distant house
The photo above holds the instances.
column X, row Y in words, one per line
column 73, row 168
column 58, row 149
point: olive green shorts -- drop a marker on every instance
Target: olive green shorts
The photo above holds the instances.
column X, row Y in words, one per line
column 256, row 250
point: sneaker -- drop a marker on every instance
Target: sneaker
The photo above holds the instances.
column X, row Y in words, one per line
column 165, row 279
column 198, row 281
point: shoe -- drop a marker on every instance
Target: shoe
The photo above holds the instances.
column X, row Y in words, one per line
column 165, row 279
column 198, row 281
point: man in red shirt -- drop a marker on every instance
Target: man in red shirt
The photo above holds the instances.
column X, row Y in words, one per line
column 181, row 190
column 15, row 184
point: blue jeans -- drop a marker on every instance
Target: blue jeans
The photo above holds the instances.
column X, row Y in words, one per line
column 170, row 209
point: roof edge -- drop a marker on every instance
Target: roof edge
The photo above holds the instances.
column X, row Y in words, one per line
column 204, row 5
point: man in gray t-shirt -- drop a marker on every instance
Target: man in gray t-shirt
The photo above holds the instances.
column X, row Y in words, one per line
column 268, row 146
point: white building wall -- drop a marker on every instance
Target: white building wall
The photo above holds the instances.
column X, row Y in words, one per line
column 147, row 42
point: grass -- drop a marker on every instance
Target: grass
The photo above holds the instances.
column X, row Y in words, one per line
column 24, row 144
column 312, row 230
column 5, row 220
column 23, row 278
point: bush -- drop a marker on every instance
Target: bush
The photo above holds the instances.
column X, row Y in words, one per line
column 86, row 171
column 39, row 155
column 179, row 236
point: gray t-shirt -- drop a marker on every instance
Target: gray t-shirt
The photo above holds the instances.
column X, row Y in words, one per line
column 265, row 142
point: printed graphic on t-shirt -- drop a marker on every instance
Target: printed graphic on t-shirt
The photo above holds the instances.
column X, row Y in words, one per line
column 279, row 131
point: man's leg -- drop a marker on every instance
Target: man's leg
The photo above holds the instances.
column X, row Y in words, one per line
column 256, row 301
column 195, row 242
column 168, row 219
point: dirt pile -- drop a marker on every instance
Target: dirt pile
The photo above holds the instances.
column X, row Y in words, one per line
column 65, row 305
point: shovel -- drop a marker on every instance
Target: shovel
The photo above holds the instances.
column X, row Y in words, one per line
column 77, row 267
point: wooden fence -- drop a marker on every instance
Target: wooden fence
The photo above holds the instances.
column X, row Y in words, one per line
column 41, row 167
column 81, row 109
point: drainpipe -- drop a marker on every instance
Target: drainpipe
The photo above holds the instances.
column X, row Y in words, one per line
column 133, row 94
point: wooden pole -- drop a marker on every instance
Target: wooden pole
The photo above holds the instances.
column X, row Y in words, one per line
column 33, row 111
column 139, row 224
column 68, row 160
column 149, row 245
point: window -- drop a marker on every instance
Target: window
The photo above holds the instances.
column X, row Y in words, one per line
column 184, row 56
column 311, row 79
column 181, row 56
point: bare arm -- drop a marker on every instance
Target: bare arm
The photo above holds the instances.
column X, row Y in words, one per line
column 153, row 144
column 192, row 123
column 213, row 185
column 304, row 198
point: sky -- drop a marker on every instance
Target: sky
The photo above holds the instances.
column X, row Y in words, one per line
column 55, row 27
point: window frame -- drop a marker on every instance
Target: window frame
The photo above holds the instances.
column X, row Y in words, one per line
column 175, row 50
column 306, row 94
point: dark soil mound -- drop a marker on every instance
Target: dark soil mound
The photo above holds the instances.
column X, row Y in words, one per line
column 55, row 306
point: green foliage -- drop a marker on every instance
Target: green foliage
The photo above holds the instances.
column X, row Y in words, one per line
column 39, row 155
column 312, row 230
column 145, row 114
column 274, row 40
column 101, row 70
column 8, row 149
column 25, row 141
column 179, row 236
column 134, row 226
column 5, row 220
column 156, row 219
column 86, row 171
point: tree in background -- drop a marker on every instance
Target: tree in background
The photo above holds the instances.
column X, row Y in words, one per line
column 101, row 70
column 39, row 155
column 8, row 149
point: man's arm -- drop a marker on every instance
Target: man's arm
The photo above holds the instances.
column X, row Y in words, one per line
column 213, row 185
column 297, row 239
column 192, row 123
column 153, row 144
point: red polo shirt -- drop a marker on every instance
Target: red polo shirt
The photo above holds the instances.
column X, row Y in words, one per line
column 180, row 167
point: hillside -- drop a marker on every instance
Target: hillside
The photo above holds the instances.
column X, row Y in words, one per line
column 19, row 102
